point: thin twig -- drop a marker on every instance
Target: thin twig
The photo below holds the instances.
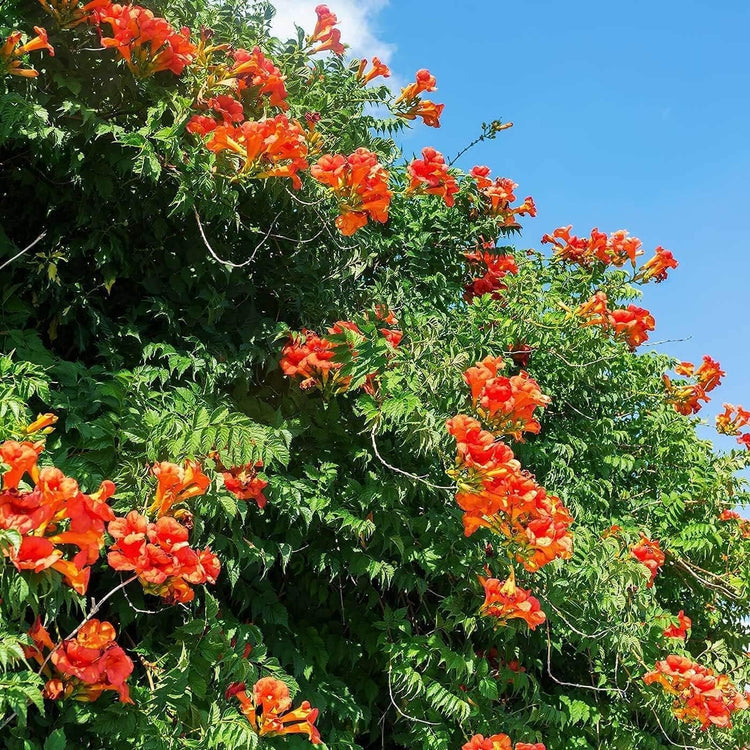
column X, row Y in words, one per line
column 684, row 565
column 141, row 611
column 668, row 341
column 562, row 617
column 575, row 684
column 668, row 738
column 406, row 473
column 406, row 716
column 97, row 606
column 229, row 262
column 25, row 250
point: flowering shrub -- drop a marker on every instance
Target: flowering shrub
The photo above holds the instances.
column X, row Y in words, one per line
column 195, row 216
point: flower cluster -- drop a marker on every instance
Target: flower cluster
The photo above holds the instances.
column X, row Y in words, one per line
column 147, row 43
column 243, row 481
column 12, row 52
column 615, row 249
column 495, row 493
column 649, row 553
column 52, row 517
column 499, row 742
column 506, row 403
column 82, row 667
column 159, row 554
column 325, row 36
column 498, row 195
column 253, row 71
column 631, row 323
column 680, row 630
column 504, row 601
column 271, row 147
column 729, row 515
column 409, row 104
column 359, row 183
column 686, row 396
column 494, row 268
column 311, row 357
column 429, row 175
column 732, row 421
column 239, row 79
column 743, row 524
column 700, row 695
column 656, row 268
column 269, row 710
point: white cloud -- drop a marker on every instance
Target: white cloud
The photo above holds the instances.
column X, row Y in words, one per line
column 357, row 24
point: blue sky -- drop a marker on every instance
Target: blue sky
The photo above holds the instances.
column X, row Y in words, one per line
column 630, row 115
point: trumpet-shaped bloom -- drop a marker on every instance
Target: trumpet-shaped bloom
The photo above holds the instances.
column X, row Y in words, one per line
column 686, row 396
column 424, row 81
column 201, row 125
column 680, row 630
column 631, row 323
column 269, row 710
column 35, row 553
column 325, row 36
column 504, row 601
column 309, row 357
column 497, row 196
column 656, row 268
column 615, row 249
column 160, row 555
column 496, row 268
column 508, row 404
column 43, row 423
column 243, row 481
column 12, row 52
column 52, row 517
column 175, row 484
column 729, row 515
column 22, row 459
column 430, row 175
column 732, row 420
column 272, row 147
column 495, row 742
column 253, row 70
column 493, row 491
column 709, row 374
column 649, row 553
column 378, row 69
column 409, row 104
column 71, row 13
